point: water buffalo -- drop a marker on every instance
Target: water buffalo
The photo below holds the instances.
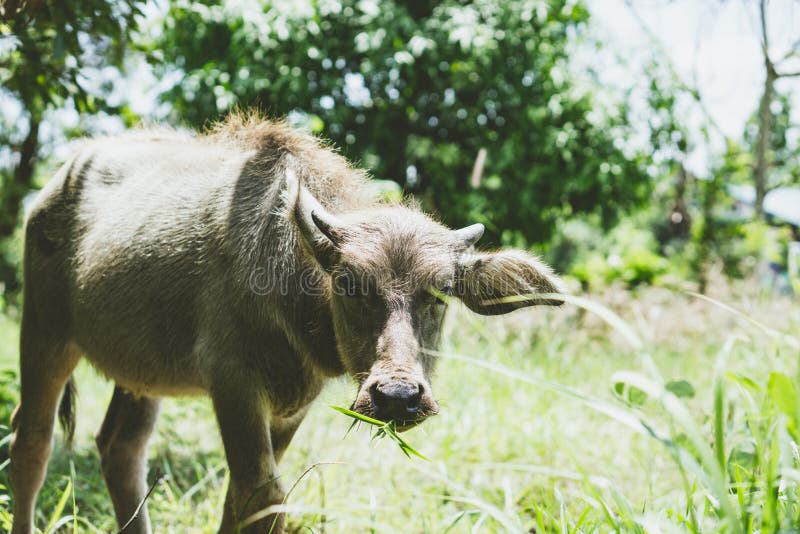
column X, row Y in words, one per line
column 248, row 264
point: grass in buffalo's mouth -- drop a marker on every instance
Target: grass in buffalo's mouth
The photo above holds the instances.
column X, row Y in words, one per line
column 382, row 429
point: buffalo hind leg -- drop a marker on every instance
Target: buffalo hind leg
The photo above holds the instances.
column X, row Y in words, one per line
column 122, row 441
column 45, row 366
column 254, row 485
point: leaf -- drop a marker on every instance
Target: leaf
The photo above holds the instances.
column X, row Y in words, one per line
column 58, row 47
column 742, row 456
column 744, row 381
column 681, row 388
column 360, row 417
column 630, row 394
column 383, row 429
column 783, row 394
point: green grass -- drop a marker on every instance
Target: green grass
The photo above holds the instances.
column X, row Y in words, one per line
column 670, row 415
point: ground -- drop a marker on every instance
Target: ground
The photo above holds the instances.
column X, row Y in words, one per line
column 556, row 444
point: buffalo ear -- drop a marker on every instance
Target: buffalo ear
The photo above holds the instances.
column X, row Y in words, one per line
column 321, row 231
column 493, row 283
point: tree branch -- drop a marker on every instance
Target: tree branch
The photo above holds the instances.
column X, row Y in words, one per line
column 762, row 11
column 793, row 51
column 694, row 91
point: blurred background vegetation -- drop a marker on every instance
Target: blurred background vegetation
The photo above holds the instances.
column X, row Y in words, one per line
column 485, row 111
column 623, row 173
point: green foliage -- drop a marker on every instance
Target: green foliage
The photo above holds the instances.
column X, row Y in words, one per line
column 631, row 395
column 51, row 44
column 9, row 393
column 680, row 388
column 628, row 253
column 784, row 149
column 53, row 56
column 782, row 392
column 10, row 269
column 55, row 517
column 720, row 235
column 414, row 92
column 669, row 135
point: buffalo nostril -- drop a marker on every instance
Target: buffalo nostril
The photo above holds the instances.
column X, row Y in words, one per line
column 412, row 404
column 395, row 400
column 378, row 398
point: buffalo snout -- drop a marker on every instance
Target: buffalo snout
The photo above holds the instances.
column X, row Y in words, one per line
column 396, row 400
column 407, row 402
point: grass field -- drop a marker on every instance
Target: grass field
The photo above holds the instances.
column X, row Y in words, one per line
column 681, row 416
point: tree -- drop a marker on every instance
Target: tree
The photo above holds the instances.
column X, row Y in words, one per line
column 772, row 74
column 783, row 157
column 670, row 140
column 415, row 91
column 47, row 48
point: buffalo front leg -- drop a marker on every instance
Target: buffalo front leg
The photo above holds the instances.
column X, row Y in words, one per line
column 122, row 441
column 254, row 487
column 282, row 431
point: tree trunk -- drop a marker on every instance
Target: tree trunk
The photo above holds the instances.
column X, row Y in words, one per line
column 707, row 236
column 764, row 116
column 21, row 181
column 680, row 223
column 764, row 145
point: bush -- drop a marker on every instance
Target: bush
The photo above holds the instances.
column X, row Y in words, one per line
column 627, row 254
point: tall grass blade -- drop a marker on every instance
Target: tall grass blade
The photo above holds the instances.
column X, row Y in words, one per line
column 709, row 468
column 601, row 311
column 263, row 513
column 623, row 415
column 719, row 401
column 459, row 493
column 786, row 338
column 74, row 503
column 59, row 509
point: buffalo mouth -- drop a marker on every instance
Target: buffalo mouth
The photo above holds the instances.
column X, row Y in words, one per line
column 366, row 406
column 399, row 425
column 402, row 426
column 400, row 400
